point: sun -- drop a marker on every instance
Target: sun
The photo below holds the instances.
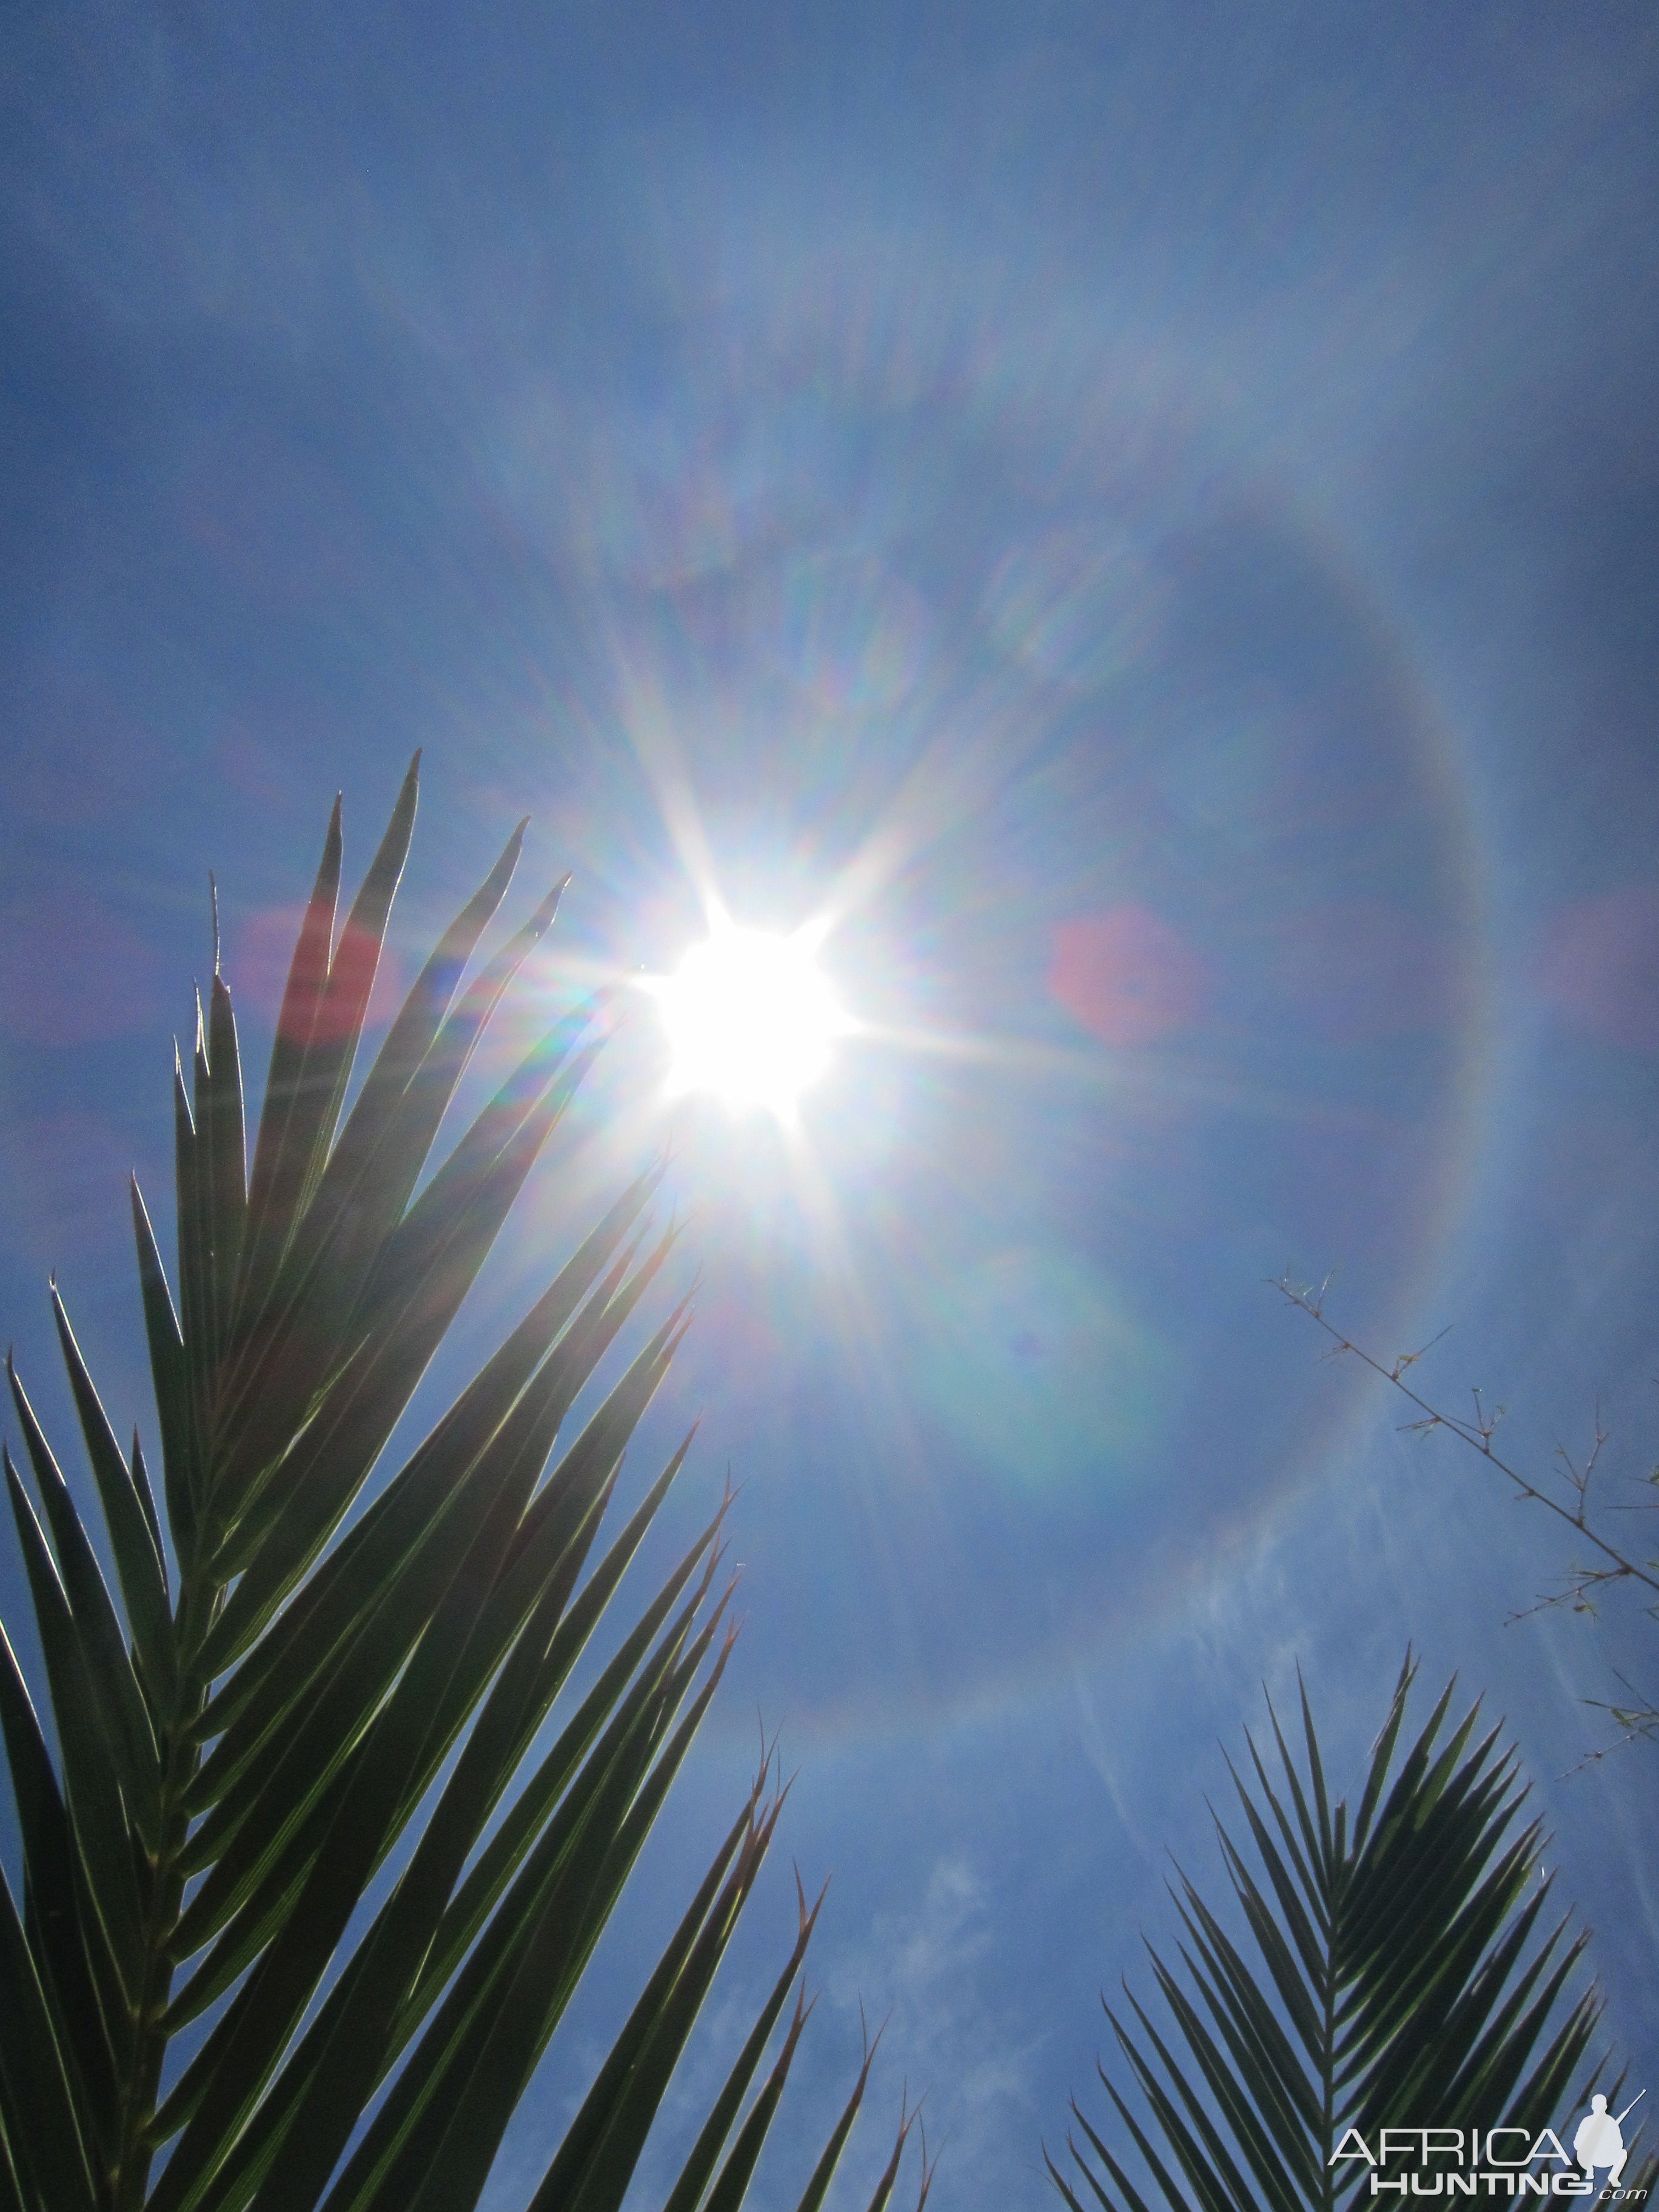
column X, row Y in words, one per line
column 751, row 1016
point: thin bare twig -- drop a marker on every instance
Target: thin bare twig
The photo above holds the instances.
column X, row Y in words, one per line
column 1638, row 1720
column 1478, row 1433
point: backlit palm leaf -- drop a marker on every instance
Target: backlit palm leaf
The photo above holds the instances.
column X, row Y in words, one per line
column 250, row 1724
column 1401, row 1970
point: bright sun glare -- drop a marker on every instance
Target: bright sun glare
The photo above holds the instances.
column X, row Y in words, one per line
column 750, row 1016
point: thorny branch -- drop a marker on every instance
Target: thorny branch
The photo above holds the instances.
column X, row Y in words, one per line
column 1583, row 1581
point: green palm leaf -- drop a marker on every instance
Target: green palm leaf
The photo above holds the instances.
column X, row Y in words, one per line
column 256, row 1717
column 1398, row 1972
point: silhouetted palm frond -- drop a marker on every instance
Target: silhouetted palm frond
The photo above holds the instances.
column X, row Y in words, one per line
column 1400, row 1970
column 279, row 1698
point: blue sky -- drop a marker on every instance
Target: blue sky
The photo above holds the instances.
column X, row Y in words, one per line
column 1148, row 511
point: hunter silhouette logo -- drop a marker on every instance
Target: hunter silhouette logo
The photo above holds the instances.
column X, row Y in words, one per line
column 1459, row 2162
column 1600, row 2140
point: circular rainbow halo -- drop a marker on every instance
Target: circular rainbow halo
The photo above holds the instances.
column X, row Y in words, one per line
column 750, row 1016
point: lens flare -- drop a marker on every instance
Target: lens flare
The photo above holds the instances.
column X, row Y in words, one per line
column 751, row 1017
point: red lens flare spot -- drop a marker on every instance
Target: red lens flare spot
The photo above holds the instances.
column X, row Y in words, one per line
column 261, row 949
column 1601, row 967
column 1127, row 976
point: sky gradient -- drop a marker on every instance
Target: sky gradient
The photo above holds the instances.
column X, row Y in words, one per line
column 1144, row 516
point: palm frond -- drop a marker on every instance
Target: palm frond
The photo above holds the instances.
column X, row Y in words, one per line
column 288, row 1689
column 1397, row 1970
